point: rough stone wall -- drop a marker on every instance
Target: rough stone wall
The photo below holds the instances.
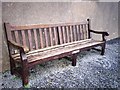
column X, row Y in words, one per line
column 104, row 16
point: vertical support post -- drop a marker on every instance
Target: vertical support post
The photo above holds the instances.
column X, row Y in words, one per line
column 103, row 45
column 103, row 49
column 88, row 20
column 74, row 57
column 8, row 37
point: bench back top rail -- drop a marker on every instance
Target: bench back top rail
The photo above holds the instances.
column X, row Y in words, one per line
column 41, row 36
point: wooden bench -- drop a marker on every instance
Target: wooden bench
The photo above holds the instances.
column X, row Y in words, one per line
column 35, row 44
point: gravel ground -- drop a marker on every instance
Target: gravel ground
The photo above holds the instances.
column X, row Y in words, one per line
column 92, row 71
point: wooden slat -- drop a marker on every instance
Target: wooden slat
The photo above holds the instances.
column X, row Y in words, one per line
column 17, row 37
column 36, row 40
column 60, row 35
column 8, row 31
column 68, row 37
column 71, row 34
column 13, row 36
column 86, row 31
column 51, row 36
column 78, row 33
column 64, row 35
column 46, row 37
column 24, row 38
column 82, row 33
column 30, row 39
column 86, row 27
column 56, row 36
column 41, row 38
column 74, row 33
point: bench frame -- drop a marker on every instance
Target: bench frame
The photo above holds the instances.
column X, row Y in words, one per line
column 24, row 71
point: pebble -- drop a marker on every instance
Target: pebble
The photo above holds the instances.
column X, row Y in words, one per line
column 92, row 71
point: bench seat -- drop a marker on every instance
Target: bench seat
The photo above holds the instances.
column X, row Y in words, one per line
column 58, row 49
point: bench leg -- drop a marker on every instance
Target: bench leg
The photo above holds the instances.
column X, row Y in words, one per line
column 12, row 66
column 103, row 49
column 25, row 75
column 74, row 57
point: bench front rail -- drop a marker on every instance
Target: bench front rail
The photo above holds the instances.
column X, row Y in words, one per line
column 34, row 44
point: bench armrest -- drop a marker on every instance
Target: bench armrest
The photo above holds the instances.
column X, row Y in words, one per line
column 100, row 32
column 23, row 50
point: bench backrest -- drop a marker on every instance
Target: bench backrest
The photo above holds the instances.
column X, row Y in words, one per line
column 41, row 36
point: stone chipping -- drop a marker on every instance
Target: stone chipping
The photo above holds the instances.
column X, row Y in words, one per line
column 92, row 71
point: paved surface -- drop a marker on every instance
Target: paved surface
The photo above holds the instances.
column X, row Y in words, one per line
column 92, row 71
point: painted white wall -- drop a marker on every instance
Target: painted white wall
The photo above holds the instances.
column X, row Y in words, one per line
column 103, row 15
column 60, row 0
column 0, row 36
